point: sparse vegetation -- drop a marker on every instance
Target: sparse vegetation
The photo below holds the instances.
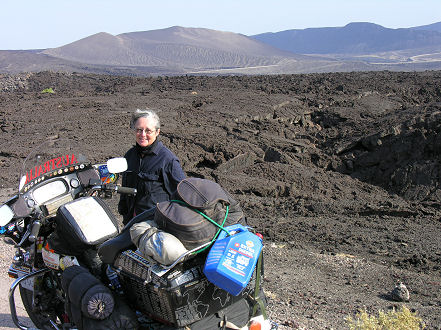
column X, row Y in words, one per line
column 393, row 320
column 48, row 90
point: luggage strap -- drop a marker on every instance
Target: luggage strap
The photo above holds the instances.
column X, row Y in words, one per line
column 256, row 299
column 221, row 227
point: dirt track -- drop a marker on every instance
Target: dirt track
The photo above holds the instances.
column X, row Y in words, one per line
column 340, row 172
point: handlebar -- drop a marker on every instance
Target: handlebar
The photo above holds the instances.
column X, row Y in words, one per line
column 110, row 187
column 126, row 190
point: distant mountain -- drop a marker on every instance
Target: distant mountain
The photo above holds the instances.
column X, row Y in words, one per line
column 179, row 50
column 354, row 38
column 430, row 27
column 178, row 47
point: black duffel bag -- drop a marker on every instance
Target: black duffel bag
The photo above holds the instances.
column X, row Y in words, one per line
column 195, row 200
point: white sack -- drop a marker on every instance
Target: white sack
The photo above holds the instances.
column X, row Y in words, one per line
column 153, row 242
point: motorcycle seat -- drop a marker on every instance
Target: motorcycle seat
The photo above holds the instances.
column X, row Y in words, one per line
column 109, row 250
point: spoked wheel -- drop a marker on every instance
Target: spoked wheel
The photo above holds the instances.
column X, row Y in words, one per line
column 41, row 320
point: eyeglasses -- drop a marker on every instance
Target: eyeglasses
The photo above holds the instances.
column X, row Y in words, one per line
column 146, row 131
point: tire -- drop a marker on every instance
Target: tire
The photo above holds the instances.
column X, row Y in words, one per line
column 40, row 321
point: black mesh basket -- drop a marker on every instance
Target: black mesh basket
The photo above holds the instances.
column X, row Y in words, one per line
column 178, row 296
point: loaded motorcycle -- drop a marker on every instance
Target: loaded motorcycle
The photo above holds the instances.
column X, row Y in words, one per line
column 75, row 267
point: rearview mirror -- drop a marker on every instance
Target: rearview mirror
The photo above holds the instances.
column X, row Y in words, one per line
column 117, row 165
column 6, row 215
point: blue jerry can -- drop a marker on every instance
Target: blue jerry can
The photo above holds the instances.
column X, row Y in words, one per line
column 232, row 259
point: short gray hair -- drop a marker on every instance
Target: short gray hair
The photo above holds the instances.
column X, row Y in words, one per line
column 147, row 113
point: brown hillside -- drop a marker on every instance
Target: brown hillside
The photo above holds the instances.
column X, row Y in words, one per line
column 174, row 47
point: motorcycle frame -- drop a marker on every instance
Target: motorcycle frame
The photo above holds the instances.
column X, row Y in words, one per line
column 12, row 300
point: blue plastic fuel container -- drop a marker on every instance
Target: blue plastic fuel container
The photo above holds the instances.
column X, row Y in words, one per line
column 232, row 259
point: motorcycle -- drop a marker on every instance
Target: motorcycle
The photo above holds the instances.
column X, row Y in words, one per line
column 76, row 268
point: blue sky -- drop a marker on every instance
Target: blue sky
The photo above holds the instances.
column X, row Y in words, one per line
column 30, row 24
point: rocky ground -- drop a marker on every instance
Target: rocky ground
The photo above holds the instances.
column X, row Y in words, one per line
column 340, row 172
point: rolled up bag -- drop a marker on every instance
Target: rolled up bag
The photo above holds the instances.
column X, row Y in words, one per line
column 152, row 242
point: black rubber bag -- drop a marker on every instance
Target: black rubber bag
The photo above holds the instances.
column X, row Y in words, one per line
column 91, row 305
column 180, row 218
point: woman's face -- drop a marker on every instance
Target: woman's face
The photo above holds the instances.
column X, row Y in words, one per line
column 145, row 131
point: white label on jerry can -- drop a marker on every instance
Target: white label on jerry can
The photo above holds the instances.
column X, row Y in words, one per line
column 238, row 258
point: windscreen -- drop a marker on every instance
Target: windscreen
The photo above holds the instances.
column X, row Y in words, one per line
column 52, row 158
